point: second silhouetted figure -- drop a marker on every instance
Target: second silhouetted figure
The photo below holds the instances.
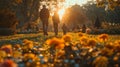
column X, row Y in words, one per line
column 56, row 21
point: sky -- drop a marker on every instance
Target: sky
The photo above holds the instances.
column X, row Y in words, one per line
column 68, row 3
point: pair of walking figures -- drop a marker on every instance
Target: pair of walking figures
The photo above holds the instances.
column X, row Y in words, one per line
column 44, row 16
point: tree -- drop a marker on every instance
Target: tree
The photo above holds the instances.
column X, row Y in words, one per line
column 74, row 17
column 9, row 4
column 113, row 16
column 108, row 4
column 97, row 23
column 8, row 22
column 28, row 11
column 92, row 11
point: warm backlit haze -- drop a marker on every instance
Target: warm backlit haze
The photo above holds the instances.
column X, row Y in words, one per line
column 63, row 6
column 67, row 4
column 61, row 13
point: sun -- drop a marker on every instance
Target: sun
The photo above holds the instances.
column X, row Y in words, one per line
column 69, row 3
column 65, row 5
column 61, row 13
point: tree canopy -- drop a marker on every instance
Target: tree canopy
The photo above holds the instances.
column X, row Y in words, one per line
column 108, row 4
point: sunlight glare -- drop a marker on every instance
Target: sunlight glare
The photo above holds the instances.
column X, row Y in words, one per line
column 61, row 13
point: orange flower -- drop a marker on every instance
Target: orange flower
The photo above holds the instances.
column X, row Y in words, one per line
column 117, row 42
column 116, row 58
column 60, row 53
column 80, row 34
column 28, row 43
column 107, row 52
column 8, row 63
column 56, row 43
column 25, row 40
column 92, row 42
column 3, row 54
column 67, row 38
column 29, row 56
column 103, row 37
column 117, row 47
column 7, row 48
column 84, row 40
column 109, row 46
column 17, row 46
column 61, row 46
column 17, row 54
column 101, row 61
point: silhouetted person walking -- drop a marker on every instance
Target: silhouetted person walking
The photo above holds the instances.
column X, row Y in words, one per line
column 64, row 28
column 84, row 28
column 56, row 21
column 44, row 16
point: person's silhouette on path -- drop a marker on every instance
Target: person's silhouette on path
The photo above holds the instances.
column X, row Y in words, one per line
column 84, row 28
column 64, row 28
column 56, row 21
column 44, row 16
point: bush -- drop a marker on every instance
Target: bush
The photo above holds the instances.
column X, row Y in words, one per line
column 6, row 31
column 107, row 31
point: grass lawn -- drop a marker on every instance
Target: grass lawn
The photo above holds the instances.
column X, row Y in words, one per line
column 17, row 38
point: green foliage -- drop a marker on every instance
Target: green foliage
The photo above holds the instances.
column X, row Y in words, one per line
column 97, row 23
column 113, row 16
column 111, row 4
column 92, row 11
column 25, row 10
column 28, row 11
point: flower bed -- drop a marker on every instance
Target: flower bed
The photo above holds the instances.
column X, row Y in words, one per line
column 67, row 51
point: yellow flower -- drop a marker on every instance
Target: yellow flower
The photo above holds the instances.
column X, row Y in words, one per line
column 55, row 43
column 103, row 37
column 28, row 43
column 17, row 54
column 67, row 38
column 117, row 47
column 100, row 61
column 117, row 42
column 109, row 46
column 29, row 56
column 107, row 52
column 80, row 34
column 84, row 40
column 3, row 54
column 17, row 46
